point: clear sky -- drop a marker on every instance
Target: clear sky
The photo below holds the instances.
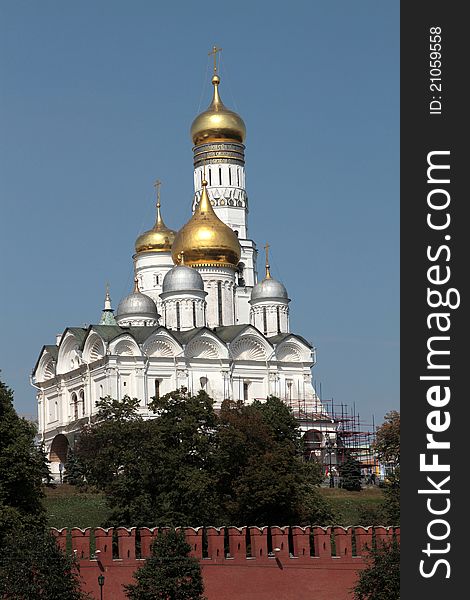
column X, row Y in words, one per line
column 96, row 101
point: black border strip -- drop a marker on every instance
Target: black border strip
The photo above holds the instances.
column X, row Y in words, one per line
column 423, row 132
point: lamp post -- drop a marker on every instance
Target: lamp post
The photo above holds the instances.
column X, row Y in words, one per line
column 101, row 584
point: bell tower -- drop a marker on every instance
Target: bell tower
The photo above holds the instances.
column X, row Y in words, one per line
column 218, row 135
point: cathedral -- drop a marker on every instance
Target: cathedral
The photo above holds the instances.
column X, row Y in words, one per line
column 198, row 316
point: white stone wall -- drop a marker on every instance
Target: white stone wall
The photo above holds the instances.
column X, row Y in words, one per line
column 212, row 276
column 264, row 316
column 189, row 306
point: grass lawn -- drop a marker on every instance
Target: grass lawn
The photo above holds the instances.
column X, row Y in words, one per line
column 355, row 508
column 67, row 507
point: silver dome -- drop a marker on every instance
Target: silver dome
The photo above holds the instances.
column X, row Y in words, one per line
column 181, row 279
column 137, row 304
column 269, row 289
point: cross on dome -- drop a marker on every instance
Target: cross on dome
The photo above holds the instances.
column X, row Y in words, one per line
column 215, row 51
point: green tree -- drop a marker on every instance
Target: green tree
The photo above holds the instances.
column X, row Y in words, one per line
column 262, row 477
column 280, row 419
column 170, row 573
column 103, row 446
column 116, row 453
column 391, row 504
column 387, row 439
column 32, row 566
column 381, row 579
column 22, row 468
column 387, row 447
column 157, row 471
column 110, row 409
column 74, row 469
column 189, row 466
column 350, row 473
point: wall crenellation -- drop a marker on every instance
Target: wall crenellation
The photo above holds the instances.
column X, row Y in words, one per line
column 230, row 544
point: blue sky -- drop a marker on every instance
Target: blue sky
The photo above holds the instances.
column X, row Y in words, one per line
column 96, row 101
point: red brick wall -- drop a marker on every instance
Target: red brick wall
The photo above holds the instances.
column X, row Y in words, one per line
column 286, row 563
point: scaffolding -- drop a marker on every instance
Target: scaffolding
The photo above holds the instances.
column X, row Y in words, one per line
column 333, row 431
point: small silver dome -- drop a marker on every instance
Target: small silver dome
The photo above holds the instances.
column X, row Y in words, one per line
column 269, row 289
column 181, row 279
column 137, row 304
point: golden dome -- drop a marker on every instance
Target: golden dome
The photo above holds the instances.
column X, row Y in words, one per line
column 217, row 123
column 158, row 239
column 205, row 240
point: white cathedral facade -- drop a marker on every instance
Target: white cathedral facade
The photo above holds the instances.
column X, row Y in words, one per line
column 198, row 317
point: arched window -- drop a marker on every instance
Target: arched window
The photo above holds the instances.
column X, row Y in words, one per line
column 278, row 314
column 82, row 402
column 194, row 314
column 220, row 175
column 75, row 405
column 229, row 176
column 265, row 321
column 157, row 389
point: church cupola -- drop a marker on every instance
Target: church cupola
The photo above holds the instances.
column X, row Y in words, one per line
column 269, row 304
column 152, row 259
column 183, row 298
column 158, row 239
column 217, row 123
column 205, row 240
column 137, row 309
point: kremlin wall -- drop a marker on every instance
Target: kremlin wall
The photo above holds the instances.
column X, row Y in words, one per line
column 246, row 563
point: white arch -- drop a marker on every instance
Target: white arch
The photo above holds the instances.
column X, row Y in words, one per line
column 292, row 350
column 161, row 345
column 201, row 348
column 206, row 345
column 46, row 367
column 250, row 344
column 94, row 348
column 248, row 347
column 125, row 345
column 68, row 358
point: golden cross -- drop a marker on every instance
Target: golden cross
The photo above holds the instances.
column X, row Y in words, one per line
column 214, row 52
column 267, row 253
column 157, row 185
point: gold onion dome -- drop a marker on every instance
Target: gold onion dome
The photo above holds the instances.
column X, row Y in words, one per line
column 217, row 123
column 158, row 239
column 205, row 240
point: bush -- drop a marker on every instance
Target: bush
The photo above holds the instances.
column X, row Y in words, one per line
column 381, row 579
column 32, row 566
column 169, row 573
